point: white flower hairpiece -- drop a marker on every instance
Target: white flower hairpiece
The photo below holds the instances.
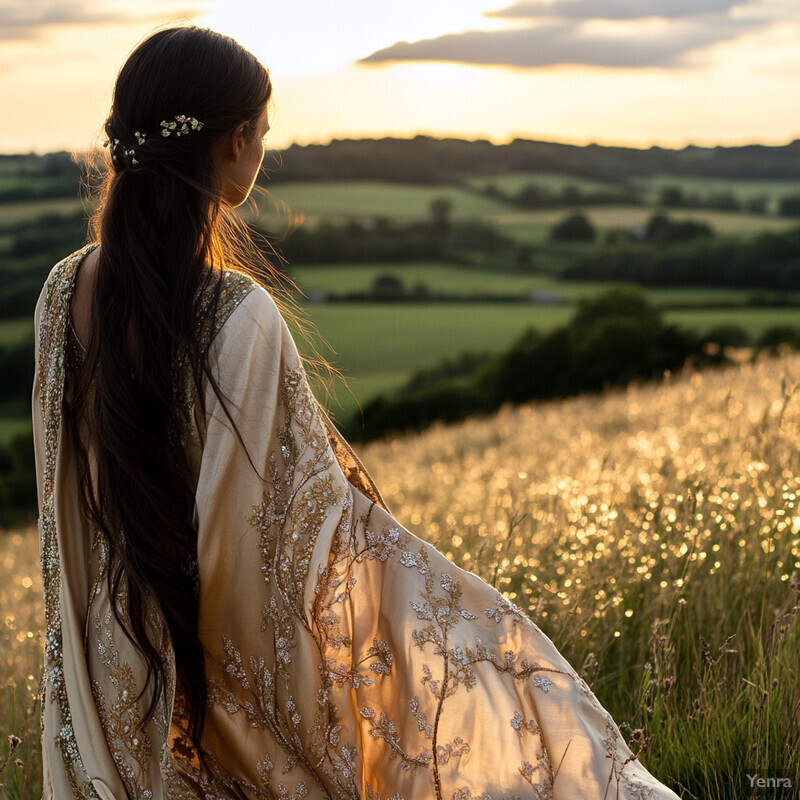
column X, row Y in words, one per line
column 180, row 125
column 186, row 124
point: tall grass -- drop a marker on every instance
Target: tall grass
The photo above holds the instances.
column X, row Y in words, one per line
column 651, row 533
column 21, row 644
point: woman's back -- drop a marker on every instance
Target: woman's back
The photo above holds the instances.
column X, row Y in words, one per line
column 231, row 610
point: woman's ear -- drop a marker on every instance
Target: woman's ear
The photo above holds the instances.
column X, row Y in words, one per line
column 232, row 144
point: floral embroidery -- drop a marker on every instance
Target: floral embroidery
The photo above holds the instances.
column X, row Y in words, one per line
column 360, row 638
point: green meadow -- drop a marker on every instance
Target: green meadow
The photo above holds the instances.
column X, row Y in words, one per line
column 455, row 280
column 367, row 199
column 13, row 214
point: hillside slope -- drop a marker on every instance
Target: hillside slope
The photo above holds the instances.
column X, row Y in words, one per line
column 651, row 533
column 568, row 464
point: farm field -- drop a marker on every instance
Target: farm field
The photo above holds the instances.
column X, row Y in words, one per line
column 438, row 277
column 369, row 199
column 377, row 342
column 12, row 214
column 655, row 547
column 534, row 226
column 753, row 320
column 408, row 336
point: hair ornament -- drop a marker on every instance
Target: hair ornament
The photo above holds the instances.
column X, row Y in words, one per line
column 186, row 124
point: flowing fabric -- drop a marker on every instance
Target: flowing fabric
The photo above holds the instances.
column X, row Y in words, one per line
column 346, row 658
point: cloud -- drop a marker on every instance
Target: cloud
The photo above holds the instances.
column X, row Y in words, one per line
column 614, row 9
column 565, row 42
column 21, row 21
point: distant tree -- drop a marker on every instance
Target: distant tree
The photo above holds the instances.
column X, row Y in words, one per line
column 623, row 301
column 729, row 335
column 661, row 228
column 779, row 335
column 620, row 336
column 790, row 206
column 17, row 480
column 420, row 291
column 619, row 236
column 525, row 260
column 671, row 197
column 532, row 195
column 571, row 195
column 575, row 228
column 725, row 201
column 441, row 211
column 537, row 365
column 757, row 205
column 388, row 286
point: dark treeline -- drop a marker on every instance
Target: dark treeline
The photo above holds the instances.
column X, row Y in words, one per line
column 428, row 160
column 383, row 241
column 33, row 248
column 30, row 177
column 770, row 261
column 534, row 196
column 424, row 159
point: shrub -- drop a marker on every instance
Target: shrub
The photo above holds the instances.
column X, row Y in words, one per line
column 575, row 228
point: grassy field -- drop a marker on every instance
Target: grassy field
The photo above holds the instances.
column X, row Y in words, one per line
column 378, row 346
column 367, row 200
column 14, row 331
column 343, row 278
column 753, row 320
column 15, row 213
column 658, row 548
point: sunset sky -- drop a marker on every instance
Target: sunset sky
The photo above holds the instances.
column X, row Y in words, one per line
column 632, row 72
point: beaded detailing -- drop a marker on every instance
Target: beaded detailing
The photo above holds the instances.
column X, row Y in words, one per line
column 52, row 334
column 53, row 346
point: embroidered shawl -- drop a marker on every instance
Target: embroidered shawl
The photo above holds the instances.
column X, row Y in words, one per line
column 346, row 657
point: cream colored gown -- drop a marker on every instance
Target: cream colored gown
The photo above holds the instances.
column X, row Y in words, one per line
column 347, row 658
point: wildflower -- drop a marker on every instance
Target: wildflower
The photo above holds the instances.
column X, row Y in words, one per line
column 13, row 742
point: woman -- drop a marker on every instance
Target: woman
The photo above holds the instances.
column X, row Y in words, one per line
column 231, row 611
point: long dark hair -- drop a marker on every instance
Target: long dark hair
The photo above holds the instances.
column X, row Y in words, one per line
column 165, row 237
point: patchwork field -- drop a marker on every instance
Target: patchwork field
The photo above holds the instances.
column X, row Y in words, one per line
column 344, row 278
